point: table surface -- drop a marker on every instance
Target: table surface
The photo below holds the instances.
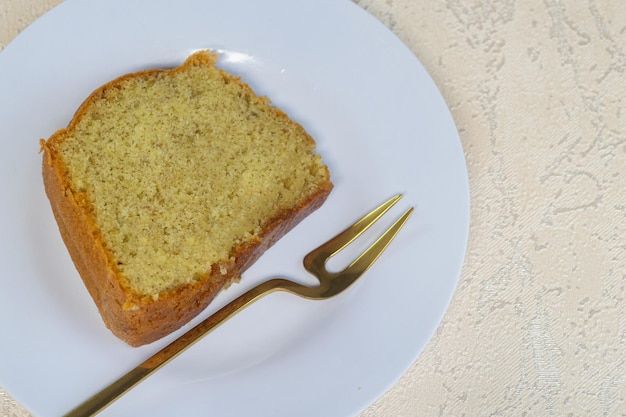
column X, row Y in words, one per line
column 537, row 325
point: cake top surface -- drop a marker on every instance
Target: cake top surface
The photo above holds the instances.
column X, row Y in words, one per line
column 181, row 166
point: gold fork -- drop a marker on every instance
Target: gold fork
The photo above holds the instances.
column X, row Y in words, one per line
column 330, row 284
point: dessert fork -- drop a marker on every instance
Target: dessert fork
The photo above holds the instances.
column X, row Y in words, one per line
column 330, row 284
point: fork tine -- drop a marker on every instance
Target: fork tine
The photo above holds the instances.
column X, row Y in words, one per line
column 316, row 259
column 371, row 254
column 346, row 237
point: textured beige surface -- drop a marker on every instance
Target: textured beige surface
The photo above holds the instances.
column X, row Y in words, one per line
column 537, row 89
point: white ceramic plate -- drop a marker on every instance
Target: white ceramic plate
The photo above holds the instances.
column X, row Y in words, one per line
column 382, row 127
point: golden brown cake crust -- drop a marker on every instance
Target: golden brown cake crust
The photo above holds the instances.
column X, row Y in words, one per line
column 138, row 319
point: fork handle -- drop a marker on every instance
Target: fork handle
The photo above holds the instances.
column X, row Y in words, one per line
column 108, row 395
